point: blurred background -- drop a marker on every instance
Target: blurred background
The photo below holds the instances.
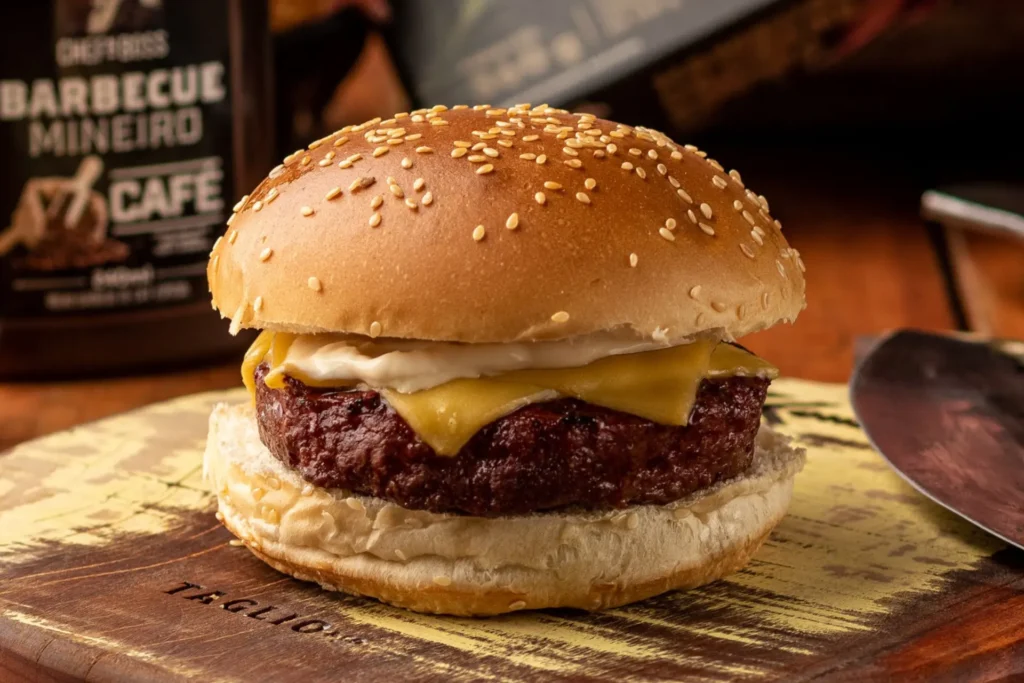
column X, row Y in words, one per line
column 842, row 112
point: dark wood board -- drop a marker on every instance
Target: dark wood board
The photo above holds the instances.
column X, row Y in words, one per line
column 113, row 568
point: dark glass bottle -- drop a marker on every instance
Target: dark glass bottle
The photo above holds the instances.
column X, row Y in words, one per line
column 128, row 129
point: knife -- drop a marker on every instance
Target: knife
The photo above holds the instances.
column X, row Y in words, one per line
column 947, row 413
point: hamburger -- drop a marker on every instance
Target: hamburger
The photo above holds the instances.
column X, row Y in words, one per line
column 497, row 367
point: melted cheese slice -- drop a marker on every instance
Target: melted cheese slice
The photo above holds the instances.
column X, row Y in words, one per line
column 659, row 385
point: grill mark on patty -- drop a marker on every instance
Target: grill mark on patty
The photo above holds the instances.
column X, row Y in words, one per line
column 544, row 456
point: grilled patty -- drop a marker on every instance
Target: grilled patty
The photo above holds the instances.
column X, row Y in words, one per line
column 543, row 456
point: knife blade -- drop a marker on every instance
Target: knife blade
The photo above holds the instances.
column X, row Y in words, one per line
column 948, row 415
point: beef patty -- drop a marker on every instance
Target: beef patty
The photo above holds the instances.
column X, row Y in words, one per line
column 541, row 457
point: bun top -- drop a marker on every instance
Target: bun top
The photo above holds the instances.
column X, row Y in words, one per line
column 494, row 225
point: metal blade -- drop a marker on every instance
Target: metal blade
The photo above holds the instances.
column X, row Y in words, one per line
column 948, row 415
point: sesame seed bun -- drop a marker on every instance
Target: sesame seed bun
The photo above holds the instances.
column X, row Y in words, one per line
column 619, row 228
column 451, row 564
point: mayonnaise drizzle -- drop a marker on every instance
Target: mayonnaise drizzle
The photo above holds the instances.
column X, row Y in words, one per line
column 409, row 366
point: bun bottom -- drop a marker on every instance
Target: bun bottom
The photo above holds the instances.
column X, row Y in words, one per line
column 475, row 566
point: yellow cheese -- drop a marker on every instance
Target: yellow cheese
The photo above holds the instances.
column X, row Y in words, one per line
column 659, row 385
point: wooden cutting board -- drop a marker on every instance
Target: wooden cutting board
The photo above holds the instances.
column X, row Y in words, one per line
column 112, row 568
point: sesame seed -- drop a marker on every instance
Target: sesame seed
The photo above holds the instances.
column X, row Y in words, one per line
column 635, row 152
column 231, row 219
column 306, row 211
column 590, row 183
column 706, row 210
column 782, row 269
column 691, row 148
column 800, row 264
column 418, row 118
column 582, row 196
column 477, row 158
column 715, row 165
column 314, row 284
column 542, row 158
column 397, row 191
column 257, row 304
column 764, row 202
column 720, row 182
column 428, row 199
column 560, row 317
column 444, row 580
column 764, row 300
column 673, row 182
column 345, row 163
column 407, row 163
column 491, row 152
column 617, row 134
column 695, row 292
column 757, row 238
column 677, row 155
column 612, row 148
column 459, row 152
column 341, row 141
column 738, row 205
column 329, row 156
column 670, row 223
column 513, row 221
column 391, row 180
column 419, row 184
column 633, row 260
column 662, row 169
column 462, row 143
column 485, row 169
column 692, row 216
column 257, row 205
column 361, row 183
column 305, row 161
column 626, row 166
column 323, row 163
column 517, row 605
column 573, row 143
column 667, row 234
column 505, row 143
column 641, row 172
column 376, row 202
column 375, row 331
column 735, row 175
column 411, row 203
column 529, row 156
column 438, row 122
column 682, row 193
column 271, row 196
column 573, row 163
column 479, row 232
column 540, row 198
column 599, row 154
column 749, row 218
column 531, row 138
column 707, row 229
column 718, row 306
column 266, row 254
column 332, row 193
column 651, row 154
column 570, row 151
column 414, row 137
column 241, row 202
column 747, row 250
column 424, row 150
column 380, row 151
column 232, row 237
column 375, row 220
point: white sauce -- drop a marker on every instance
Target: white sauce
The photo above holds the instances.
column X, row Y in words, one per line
column 409, row 366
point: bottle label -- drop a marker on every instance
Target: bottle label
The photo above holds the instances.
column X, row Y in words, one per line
column 116, row 139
